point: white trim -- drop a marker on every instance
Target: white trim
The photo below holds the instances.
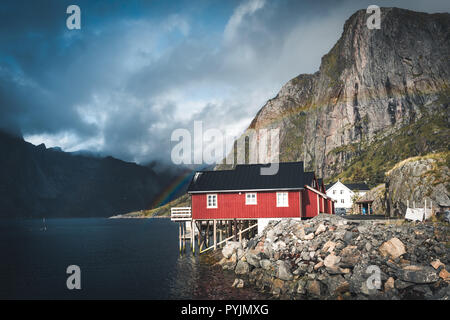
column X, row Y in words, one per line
column 207, row 201
column 317, row 191
column 251, row 203
column 283, row 205
column 300, row 204
column 318, row 204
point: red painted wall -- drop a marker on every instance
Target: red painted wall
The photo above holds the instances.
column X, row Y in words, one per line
column 309, row 203
column 232, row 205
column 330, row 206
column 321, row 203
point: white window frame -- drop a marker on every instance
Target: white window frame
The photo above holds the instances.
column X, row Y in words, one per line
column 282, row 203
column 214, row 206
column 251, row 200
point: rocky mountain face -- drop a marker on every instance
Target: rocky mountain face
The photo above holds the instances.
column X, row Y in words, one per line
column 379, row 96
column 414, row 181
column 378, row 196
column 418, row 180
column 40, row 182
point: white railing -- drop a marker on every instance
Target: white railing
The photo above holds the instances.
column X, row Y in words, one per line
column 180, row 214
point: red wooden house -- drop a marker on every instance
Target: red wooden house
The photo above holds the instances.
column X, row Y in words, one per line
column 245, row 194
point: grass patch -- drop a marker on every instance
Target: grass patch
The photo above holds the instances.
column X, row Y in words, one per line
column 163, row 211
column 371, row 161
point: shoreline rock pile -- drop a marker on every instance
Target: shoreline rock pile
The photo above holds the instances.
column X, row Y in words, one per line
column 329, row 257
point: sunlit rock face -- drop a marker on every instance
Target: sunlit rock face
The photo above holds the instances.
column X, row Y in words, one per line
column 370, row 86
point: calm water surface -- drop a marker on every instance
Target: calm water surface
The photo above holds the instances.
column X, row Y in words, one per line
column 119, row 259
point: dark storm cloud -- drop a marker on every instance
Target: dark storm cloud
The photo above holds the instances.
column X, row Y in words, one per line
column 137, row 70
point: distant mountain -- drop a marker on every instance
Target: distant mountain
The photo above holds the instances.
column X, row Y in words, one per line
column 380, row 96
column 40, row 182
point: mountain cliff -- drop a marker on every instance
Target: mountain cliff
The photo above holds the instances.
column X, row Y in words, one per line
column 40, row 182
column 379, row 96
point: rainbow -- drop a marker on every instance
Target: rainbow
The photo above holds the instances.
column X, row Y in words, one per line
column 168, row 193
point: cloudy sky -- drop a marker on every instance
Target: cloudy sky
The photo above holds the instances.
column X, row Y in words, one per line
column 138, row 70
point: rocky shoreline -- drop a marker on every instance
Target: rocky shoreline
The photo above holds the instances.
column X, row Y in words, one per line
column 329, row 257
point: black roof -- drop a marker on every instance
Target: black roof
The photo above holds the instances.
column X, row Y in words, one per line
column 357, row 186
column 290, row 175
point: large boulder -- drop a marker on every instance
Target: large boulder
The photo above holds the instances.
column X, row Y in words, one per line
column 321, row 228
column 309, row 236
column 418, row 274
column 329, row 246
column 337, row 284
column 393, row 248
column 350, row 256
column 242, row 267
column 230, row 248
column 265, row 264
column 228, row 264
column 313, row 288
column 331, row 260
column 253, row 259
column 284, row 271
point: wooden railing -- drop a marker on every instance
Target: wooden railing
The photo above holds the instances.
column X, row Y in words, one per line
column 180, row 214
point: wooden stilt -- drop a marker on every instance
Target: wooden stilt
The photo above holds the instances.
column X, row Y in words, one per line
column 235, row 230
column 240, row 228
column 199, row 232
column 202, row 237
column 183, row 229
column 179, row 235
column 207, row 233
column 247, row 224
column 220, row 231
column 193, row 236
column 215, row 234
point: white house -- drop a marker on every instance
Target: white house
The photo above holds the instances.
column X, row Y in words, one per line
column 344, row 193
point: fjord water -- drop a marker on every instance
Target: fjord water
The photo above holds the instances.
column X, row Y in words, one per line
column 118, row 258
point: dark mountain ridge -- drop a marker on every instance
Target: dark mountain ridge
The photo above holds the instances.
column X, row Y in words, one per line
column 40, row 182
